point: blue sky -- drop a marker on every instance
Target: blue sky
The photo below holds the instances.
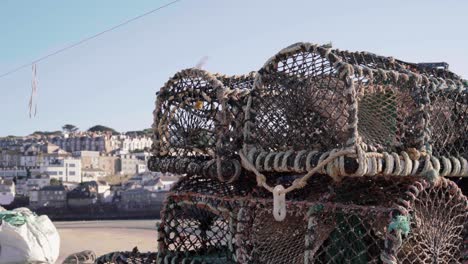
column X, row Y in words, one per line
column 112, row 80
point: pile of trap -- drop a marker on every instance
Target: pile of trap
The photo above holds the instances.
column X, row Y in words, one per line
column 322, row 156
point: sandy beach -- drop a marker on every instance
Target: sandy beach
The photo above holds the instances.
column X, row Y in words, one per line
column 106, row 236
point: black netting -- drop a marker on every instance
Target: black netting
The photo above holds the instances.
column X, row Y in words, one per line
column 185, row 116
column 197, row 229
column 199, row 118
column 232, row 116
column 448, row 111
column 349, row 236
column 300, row 104
column 389, row 116
column 277, row 242
column 389, row 110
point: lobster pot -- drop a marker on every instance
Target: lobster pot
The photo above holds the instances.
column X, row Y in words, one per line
column 442, row 105
column 199, row 221
column 390, row 99
column 299, row 102
column 361, row 220
column 312, row 98
column 185, row 114
column 195, row 122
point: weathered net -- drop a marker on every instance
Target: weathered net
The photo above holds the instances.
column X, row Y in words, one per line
column 441, row 221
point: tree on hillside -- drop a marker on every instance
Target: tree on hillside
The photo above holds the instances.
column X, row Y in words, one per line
column 46, row 133
column 101, row 128
column 69, row 128
column 144, row 132
column 148, row 131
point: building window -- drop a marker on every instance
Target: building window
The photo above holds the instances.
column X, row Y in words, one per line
column 72, row 173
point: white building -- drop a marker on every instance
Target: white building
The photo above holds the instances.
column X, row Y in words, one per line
column 18, row 172
column 141, row 168
column 7, row 192
column 66, row 169
column 129, row 165
column 92, row 174
column 131, row 144
column 167, row 182
column 159, row 183
column 104, row 192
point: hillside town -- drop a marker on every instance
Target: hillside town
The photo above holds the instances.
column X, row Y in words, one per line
column 72, row 170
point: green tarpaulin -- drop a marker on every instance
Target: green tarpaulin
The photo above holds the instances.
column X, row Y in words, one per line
column 13, row 218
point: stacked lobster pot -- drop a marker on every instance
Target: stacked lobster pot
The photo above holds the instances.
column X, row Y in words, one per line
column 197, row 116
column 322, row 156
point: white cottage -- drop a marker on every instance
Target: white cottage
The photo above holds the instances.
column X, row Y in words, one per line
column 7, row 192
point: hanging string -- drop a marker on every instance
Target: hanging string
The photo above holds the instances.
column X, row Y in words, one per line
column 32, row 100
